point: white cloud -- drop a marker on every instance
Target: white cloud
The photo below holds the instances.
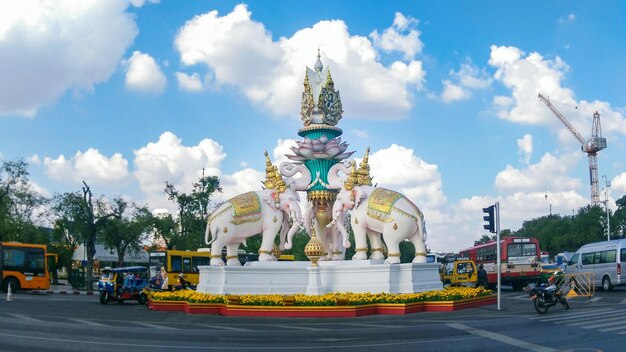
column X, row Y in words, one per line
column 361, row 134
column 550, row 173
column 90, row 166
column 143, row 74
column 452, row 92
column 191, row 83
column 140, row 3
column 242, row 181
column 618, row 184
column 239, row 51
column 169, row 160
column 525, row 148
column 472, row 77
column 50, row 47
column 398, row 168
column 528, row 75
column 468, row 78
column 402, row 36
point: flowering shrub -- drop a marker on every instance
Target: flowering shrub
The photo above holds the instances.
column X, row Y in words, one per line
column 329, row 299
column 189, row 296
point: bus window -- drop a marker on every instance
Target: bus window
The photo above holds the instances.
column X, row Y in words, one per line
column 197, row 261
column 177, row 263
column 14, row 259
column 186, row 264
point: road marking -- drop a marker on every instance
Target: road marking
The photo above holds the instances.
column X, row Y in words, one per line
column 623, row 302
column 149, row 325
column 24, row 317
column 503, row 338
column 594, row 299
column 299, row 327
column 574, row 315
column 606, row 323
column 602, row 319
column 87, row 322
column 621, row 327
column 224, row 327
column 376, row 326
column 585, row 315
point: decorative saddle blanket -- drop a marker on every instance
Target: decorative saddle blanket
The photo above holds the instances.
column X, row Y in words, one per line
column 380, row 203
column 247, row 208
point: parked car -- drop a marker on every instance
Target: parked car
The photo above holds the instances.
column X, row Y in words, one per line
column 604, row 260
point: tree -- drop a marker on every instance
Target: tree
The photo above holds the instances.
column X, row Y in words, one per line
column 618, row 221
column 485, row 239
column 192, row 212
column 126, row 231
column 84, row 217
column 18, row 204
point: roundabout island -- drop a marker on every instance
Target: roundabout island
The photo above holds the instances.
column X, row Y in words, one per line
column 373, row 282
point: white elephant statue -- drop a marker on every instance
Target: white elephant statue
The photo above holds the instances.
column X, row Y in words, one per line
column 378, row 211
column 265, row 212
column 248, row 214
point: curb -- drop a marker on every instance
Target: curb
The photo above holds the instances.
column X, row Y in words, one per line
column 61, row 292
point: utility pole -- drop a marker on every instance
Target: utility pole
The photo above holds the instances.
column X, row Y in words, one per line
column 607, row 184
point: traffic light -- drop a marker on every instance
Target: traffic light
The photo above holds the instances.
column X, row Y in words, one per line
column 490, row 219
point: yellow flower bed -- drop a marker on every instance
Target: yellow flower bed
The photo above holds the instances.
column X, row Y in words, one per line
column 329, row 299
column 188, row 296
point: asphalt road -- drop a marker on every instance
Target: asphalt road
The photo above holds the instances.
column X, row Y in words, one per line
column 80, row 323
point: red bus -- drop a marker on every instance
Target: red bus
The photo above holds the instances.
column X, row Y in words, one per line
column 519, row 260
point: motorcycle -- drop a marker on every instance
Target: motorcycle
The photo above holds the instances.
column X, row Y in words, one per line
column 544, row 297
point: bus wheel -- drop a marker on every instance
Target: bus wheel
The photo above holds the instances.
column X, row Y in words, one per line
column 15, row 285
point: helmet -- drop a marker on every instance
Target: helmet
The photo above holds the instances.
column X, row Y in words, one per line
column 180, row 275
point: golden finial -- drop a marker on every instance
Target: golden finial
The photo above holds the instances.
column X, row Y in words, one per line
column 352, row 179
column 270, row 173
column 329, row 80
column 363, row 173
column 313, row 249
column 279, row 183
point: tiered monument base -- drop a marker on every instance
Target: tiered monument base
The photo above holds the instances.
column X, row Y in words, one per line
column 290, row 278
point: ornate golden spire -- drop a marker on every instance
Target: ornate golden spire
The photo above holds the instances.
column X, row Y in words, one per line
column 352, row 179
column 270, row 173
column 363, row 173
column 273, row 178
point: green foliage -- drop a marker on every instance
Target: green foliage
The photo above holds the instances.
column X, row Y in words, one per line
column 191, row 216
column 18, row 202
column 127, row 232
column 558, row 233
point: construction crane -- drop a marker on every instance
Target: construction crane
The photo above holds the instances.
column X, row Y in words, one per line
column 591, row 147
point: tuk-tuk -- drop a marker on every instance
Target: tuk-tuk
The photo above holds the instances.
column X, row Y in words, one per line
column 460, row 272
column 122, row 284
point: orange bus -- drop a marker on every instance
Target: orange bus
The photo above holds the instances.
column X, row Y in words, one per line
column 24, row 266
column 519, row 260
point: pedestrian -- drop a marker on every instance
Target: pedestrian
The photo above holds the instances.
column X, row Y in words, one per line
column 482, row 276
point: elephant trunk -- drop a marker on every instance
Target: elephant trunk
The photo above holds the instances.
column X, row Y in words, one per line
column 207, row 233
column 296, row 218
column 338, row 222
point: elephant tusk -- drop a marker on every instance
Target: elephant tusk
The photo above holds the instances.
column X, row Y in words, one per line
column 331, row 224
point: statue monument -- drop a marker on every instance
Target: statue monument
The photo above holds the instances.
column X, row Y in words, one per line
column 334, row 185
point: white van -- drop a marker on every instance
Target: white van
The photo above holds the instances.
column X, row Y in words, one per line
column 603, row 259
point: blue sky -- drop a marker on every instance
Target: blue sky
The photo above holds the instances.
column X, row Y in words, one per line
column 129, row 94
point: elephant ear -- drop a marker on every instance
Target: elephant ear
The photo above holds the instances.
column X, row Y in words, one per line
column 358, row 195
column 271, row 198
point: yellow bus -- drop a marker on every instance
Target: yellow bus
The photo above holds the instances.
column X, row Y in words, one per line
column 24, row 266
column 177, row 262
